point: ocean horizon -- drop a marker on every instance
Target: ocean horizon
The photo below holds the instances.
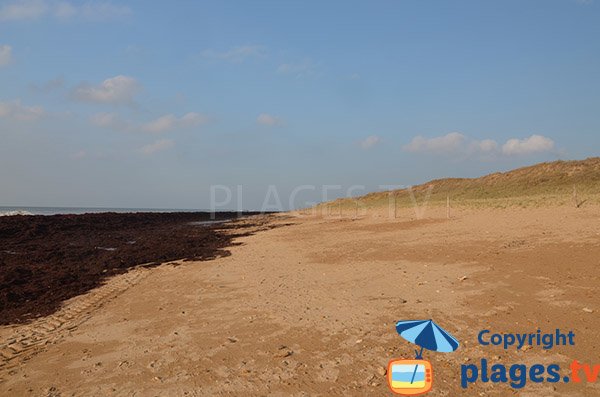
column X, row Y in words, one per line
column 24, row 210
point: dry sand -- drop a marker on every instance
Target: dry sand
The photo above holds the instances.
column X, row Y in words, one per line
column 309, row 308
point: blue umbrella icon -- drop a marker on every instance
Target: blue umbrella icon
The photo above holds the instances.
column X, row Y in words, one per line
column 428, row 335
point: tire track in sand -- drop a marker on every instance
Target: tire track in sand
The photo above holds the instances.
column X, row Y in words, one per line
column 21, row 342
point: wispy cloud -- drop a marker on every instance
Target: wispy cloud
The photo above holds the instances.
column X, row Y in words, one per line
column 24, row 9
column 304, row 68
column 92, row 10
column 236, row 54
column 370, row 141
column 267, row 119
column 443, row 144
column 456, row 143
column 60, row 9
column 158, row 146
column 48, row 86
column 115, row 90
column 193, row 119
column 109, row 120
column 5, row 54
column 169, row 122
column 79, row 155
column 16, row 111
column 161, row 124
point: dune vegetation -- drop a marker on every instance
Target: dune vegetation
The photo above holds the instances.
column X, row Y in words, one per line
column 574, row 183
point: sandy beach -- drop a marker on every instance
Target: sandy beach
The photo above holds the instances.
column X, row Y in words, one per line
column 309, row 307
column 296, row 198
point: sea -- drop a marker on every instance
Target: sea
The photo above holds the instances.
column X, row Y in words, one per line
column 7, row 211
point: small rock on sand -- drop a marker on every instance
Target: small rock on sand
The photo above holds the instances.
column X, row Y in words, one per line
column 283, row 352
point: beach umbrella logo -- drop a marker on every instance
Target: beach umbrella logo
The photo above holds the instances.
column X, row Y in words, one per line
column 414, row 377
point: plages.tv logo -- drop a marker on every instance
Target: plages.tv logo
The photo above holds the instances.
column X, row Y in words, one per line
column 414, row 377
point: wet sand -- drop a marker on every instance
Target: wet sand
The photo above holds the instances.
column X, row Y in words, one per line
column 309, row 308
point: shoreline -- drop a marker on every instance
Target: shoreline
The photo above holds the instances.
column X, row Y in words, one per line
column 49, row 211
column 46, row 260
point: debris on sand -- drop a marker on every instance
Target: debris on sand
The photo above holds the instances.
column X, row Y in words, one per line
column 283, row 352
column 67, row 255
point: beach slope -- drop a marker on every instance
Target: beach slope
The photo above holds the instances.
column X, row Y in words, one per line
column 309, row 307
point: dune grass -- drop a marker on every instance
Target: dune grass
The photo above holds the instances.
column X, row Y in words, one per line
column 545, row 184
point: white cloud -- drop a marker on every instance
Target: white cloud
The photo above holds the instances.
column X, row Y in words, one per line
column 448, row 143
column 370, row 141
column 64, row 10
column 157, row 146
column 16, row 111
column 169, row 122
column 115, row 90
column 24, row 9
column 103, row 119
column 161, row 124
column 488, row 146
column 267, row 119
column 101, row 10
column 301, row 69
column 193, row 119
column 458, row 144
column 533, row 144
column 35, row 9
column 236, row 54
column 109, row 120
column 5, row 54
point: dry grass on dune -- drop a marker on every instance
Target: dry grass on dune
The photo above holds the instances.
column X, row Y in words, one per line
column 552, row 183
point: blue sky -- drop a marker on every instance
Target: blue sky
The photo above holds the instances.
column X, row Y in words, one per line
column 148, row 104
